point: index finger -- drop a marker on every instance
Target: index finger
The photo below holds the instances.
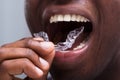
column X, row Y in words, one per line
column 44, row 49
column 21, row 43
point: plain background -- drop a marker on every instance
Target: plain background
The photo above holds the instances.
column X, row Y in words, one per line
column 12, row 21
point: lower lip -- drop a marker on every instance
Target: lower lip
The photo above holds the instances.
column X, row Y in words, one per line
column 67, row 56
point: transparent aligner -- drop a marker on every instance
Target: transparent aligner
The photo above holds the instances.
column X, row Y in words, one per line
column 71, row 37
column 62, row 46
column 42, row 34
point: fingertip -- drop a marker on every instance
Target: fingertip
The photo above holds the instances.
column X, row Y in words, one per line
column 39, row 73
column 45, row 64
column 49, row 46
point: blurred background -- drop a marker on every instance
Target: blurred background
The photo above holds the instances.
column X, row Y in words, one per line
column 12, row 21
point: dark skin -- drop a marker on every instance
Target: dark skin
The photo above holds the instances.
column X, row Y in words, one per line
column 99, row 60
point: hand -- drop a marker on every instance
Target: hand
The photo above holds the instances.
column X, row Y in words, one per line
column 32, row 56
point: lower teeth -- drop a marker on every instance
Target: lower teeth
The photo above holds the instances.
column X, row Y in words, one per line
column 80, row 46
column 71, row 37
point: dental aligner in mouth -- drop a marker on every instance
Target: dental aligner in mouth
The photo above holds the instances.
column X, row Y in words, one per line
column 62, row 46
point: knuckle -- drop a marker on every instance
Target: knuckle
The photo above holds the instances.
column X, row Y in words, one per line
column 25, row 61
column 29, row 42
column 30, row 53
column 32, row 56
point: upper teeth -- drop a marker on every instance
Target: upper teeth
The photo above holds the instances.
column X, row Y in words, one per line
column 68, row 18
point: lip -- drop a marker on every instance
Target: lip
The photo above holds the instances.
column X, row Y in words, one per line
column 68, row 56
column 67, row 9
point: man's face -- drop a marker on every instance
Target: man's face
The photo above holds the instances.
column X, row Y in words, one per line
column 100, row 39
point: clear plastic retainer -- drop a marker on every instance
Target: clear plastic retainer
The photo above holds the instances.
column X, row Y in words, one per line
column 62, row 46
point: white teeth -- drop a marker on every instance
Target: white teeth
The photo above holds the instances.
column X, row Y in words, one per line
column 60, row 18
column 73, row 18
column 79, row 46
column 68, row 18
column 79, row 19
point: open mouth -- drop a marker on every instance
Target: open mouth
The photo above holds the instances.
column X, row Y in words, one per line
column 69, row 29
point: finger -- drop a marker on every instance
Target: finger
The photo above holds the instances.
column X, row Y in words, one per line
column 22, row 43
column 44, row 49
column 32, row 43
column 19, row 43
column 18, row 66
column 14, row 53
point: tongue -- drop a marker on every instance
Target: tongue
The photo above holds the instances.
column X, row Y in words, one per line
column 62, row 46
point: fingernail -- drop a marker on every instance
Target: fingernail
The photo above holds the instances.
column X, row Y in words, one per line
column 38, row 71
column 47, row 45
column 44, row 63
column 38, row 39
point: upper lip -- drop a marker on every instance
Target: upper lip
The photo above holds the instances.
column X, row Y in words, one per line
column 73, row 9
